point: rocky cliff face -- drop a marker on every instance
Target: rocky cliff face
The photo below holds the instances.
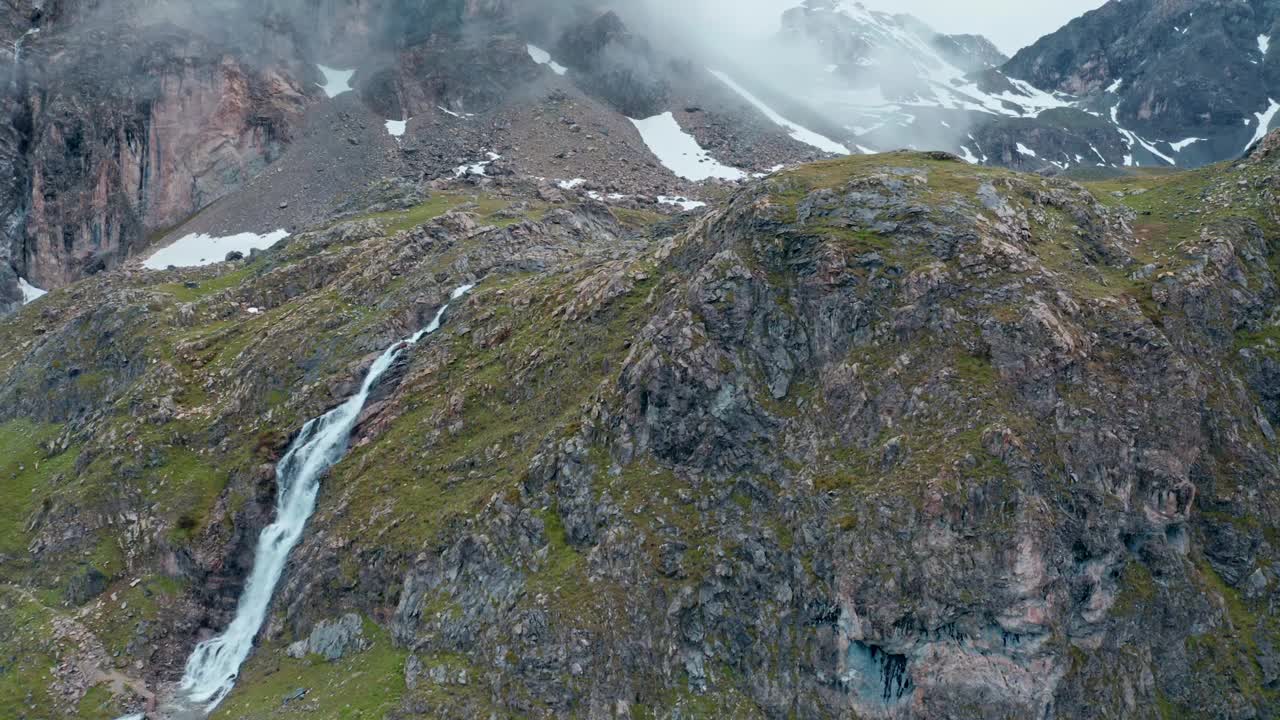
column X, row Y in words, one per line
column 121, row 147
column 1214, row 79
column 883, row 437
column 108, row 143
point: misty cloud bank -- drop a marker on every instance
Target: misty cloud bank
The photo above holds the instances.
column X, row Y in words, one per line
column 801, row 73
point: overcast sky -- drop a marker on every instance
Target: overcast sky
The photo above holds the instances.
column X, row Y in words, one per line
column 1010, row 24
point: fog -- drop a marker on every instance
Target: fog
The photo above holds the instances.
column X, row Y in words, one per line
column 820, row 77
column 791, row 67
column 1010, row 24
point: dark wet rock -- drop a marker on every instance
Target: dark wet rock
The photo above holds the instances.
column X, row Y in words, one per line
column 85, row 586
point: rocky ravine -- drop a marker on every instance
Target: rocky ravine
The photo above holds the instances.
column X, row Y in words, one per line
column 884, row 437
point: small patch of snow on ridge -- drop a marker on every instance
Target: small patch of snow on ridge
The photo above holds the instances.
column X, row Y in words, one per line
column 447, row 111
column 1115, row 85
column 570, row 184
column 1024, row 150
column 679, row 151
column 476, row 168
column 796, row 131
column 336, row 81
column 200, row 249
column 682, row 201
column 1264, row 43
column 396, row 128
column 768, row 172
column 30, row 293
column 542, row 57
column 1178, row 146
column 968, row 155
column 1264, row 122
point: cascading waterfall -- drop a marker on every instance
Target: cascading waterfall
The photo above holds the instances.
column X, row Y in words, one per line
column 214, row 664
column 17, row 44
column 17, row 52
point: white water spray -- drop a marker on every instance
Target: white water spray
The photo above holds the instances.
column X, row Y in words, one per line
column 214, row 664
column 16, row 52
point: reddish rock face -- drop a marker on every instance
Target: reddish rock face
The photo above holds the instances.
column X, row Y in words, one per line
column 113, row 141
column 107, row 169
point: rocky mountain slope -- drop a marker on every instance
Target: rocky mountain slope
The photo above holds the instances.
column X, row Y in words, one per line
column 110, row 150
column 1131, row 84
column 220, row 118
column 1192, row 71
column 891, row 436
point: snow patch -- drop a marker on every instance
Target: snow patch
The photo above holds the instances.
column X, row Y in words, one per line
column 1264, row 43
column 542, row 57
column 968, row 155
column 679, row 151
column 447, row 111
column 336, row 81
column 476, row 168
column 1115, row 85
column 1178, row 146
column 1264, row 122
column 570, row 184
column 797, row 132
column 200, row 249
column 683, row 202
column 1131, row 138
column 396, row 128
column 30, row 293
column 1023, row 149
column 865, row 150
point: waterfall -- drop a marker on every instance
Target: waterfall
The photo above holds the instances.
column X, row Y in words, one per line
column 17, row 53
column 214, row 664
column 17, row 45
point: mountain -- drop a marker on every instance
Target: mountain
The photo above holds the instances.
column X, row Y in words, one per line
column 891, row 436
column 111, row 151
column 1131, row 84
column 1199, row 75
column 482, row 358
column 229, row 118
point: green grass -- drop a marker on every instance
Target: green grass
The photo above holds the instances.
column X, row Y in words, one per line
column 494, row 423
column 563, row 573
column 977, row 372
column 27, row 654
column 486, row 206
column 98, row 704
column 116, row 624
column 1172, row 206
column 26, row 478
column 364, row 685
column 1230, row 651
column 206, row 288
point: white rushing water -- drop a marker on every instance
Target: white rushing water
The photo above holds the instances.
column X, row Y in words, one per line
column 214, row 664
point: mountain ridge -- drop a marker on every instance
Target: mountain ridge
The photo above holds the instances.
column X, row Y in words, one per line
column 64, row 222
column 873, row 419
